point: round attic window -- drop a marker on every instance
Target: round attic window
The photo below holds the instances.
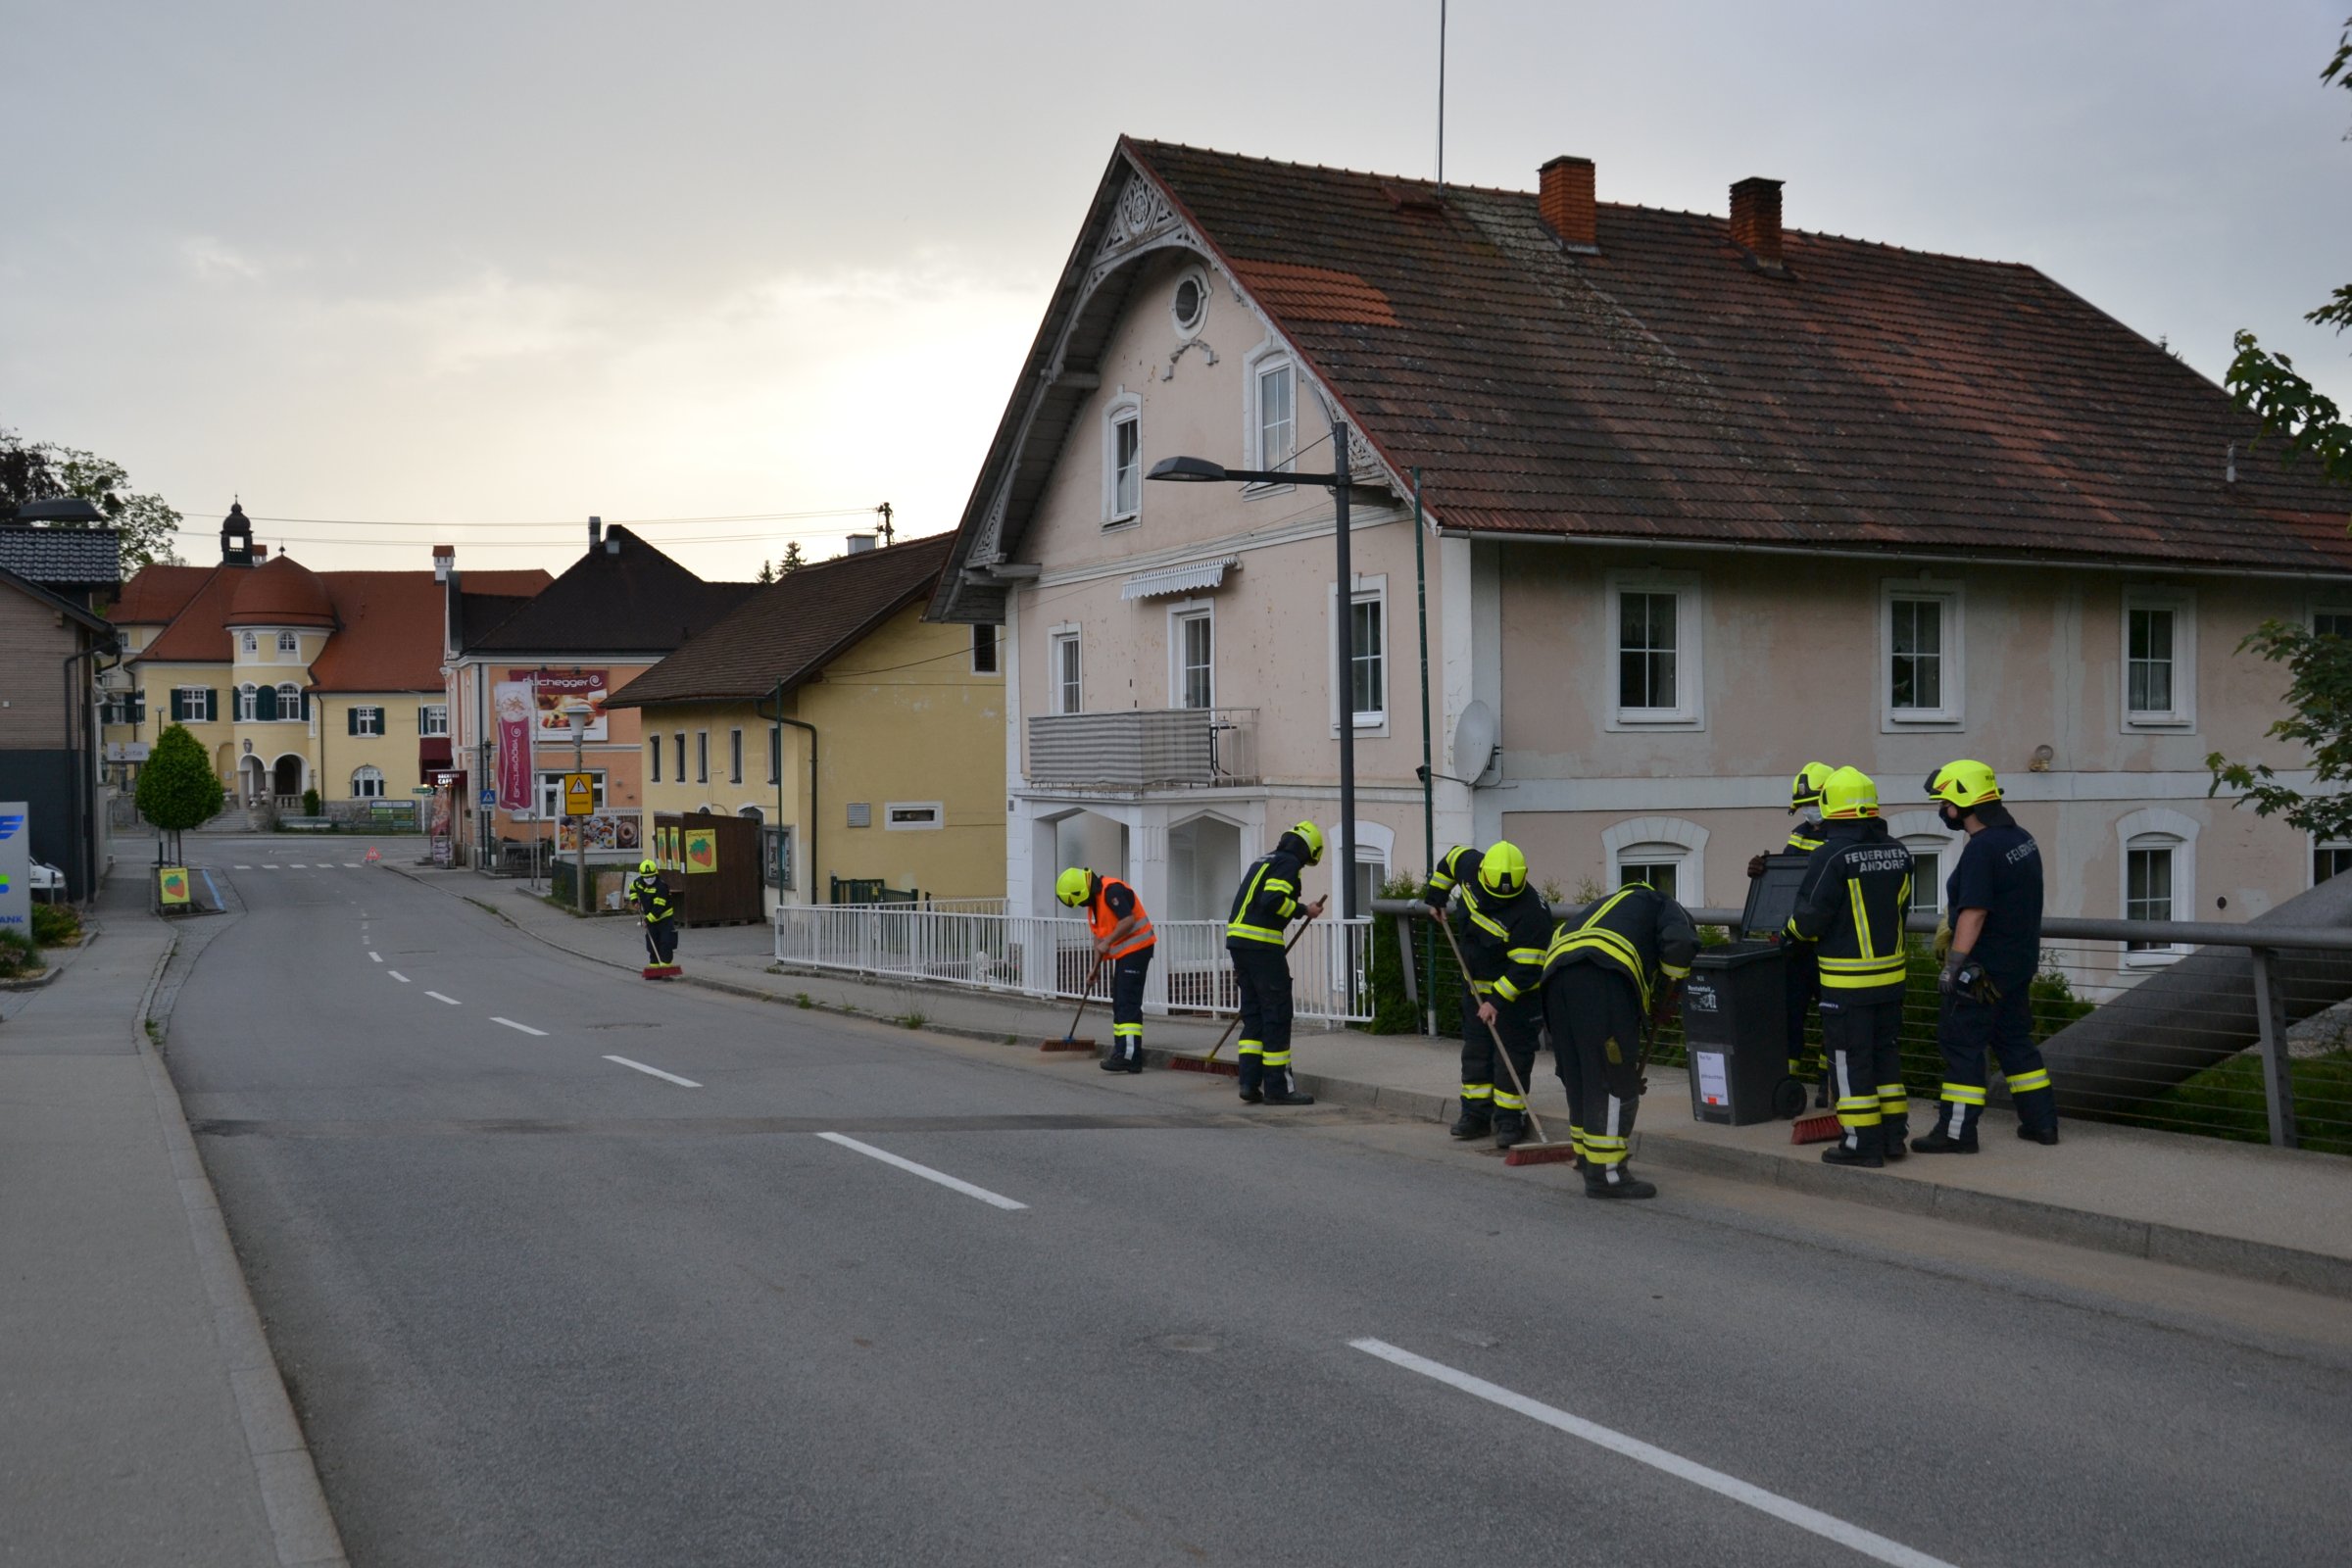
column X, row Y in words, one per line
column 1188, row 307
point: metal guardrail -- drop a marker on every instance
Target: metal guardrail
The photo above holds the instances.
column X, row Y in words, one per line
column 2241, row 1030
column 1051, row 957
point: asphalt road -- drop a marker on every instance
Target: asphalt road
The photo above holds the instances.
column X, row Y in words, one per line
column 540, row 1304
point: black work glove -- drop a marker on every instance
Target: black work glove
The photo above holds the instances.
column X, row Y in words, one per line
column 1755, row 866
column 1964, row 976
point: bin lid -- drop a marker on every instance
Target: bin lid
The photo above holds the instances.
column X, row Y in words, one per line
column 1731, row 954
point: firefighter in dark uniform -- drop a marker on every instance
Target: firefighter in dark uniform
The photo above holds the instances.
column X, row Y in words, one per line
column 1507, row 927
column 1993, row 899
column 1123, row 940
column 1609, row 966
column 1263, row 907
column 651, row 893
column 1802, row 979
column 1455, row 882
column 1857, row 888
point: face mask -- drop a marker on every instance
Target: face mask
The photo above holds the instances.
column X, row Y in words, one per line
column 1953, row 822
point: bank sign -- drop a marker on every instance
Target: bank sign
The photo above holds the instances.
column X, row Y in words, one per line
column 16, row 867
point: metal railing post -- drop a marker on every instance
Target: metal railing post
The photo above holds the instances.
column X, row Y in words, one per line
column 2277, row 1082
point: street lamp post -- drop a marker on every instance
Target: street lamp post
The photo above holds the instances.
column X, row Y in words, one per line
column 1200, row 470
column 577, row 715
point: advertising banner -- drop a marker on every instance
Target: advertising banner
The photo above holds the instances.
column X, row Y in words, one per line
column 559, row 689
column 702, row 850
column 15, row 868
column 511, row 708
column 605, row 830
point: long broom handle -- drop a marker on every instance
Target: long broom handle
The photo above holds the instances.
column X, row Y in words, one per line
column 1085, row 995
column 1495, row 1034
column 1236, row 1017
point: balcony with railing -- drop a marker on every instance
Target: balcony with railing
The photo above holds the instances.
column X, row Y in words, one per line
column 1145, row 749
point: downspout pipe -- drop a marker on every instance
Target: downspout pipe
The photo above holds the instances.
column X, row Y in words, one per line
column 81, row 824
column 777, row 697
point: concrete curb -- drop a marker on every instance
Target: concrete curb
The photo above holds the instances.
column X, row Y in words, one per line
column 301, row 1527
column 2264, row 1261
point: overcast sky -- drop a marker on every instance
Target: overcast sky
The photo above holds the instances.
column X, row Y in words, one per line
column 498, row 263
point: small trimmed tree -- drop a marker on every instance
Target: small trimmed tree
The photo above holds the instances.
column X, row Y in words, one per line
column 178, row 788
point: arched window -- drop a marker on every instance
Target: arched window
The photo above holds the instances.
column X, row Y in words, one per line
column 289, row 700
column 246, row 702
column 2159, row 876
column 1665, row 851
column 368, row 784
column 752, row 812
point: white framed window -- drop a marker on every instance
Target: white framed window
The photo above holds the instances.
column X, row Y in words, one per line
column 1666, row 851
column 984, row 649
column 551, row 791
column 248, row 704
column 1921, row 632
column 2159, row 657
column 1926, row 858
column 287, row 643
column 916, row 816
column 1123, row 461
column 1375, row 846
column 734, row 757
column 432, row 718
column 1364, row 686
column 1192, row 654
column 195, row 704
column 363, row 721
column 2159, row 880
column 290, row 710
column 1656, row 651
column 1188, row 302
column 1064, row 672
column 1269, row 413
column 249, row 642
column 2332, row 621
column 2328, row 858
column 366, row 783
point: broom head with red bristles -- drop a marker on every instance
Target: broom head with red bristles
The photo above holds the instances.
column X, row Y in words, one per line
column 1815, row 1129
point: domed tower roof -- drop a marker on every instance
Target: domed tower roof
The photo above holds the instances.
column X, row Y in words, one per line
column 281, row 593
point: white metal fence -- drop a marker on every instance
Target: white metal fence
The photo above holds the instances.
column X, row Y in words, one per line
column 1051, row 957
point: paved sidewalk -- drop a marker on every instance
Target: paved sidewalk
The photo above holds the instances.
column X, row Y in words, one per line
column 2240, row 1209
column 141, row 1416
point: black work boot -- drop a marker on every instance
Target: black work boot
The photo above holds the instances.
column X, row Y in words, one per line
column 1938, row 1142
column 1476, row 1120
column 1510, row 1127
column 1115, row 1059
column 1859, row 1148
column 1894, row 1141
column 1615, row 1181
column 1252, row 1075
column 1282, row 1089
column 2038, row 1135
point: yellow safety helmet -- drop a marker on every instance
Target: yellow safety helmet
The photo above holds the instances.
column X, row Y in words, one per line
column 1849, row 792
column 1312, row 837
column 1074, row 885
column 647, row 867
column 1502, row 869
column 1805, row 789
column 1964, row 784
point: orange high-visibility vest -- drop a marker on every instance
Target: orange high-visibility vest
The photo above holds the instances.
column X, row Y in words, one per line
column 1102, row 922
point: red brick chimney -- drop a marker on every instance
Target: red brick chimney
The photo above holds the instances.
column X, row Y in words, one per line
column 261, row 553
column 1756, row 220
column 1565, row 201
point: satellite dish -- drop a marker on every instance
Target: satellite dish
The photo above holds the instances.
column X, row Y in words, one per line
column 1474, row 737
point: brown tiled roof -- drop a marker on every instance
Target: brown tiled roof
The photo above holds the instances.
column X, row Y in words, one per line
column 199, row 633
column 790, row 629
column 635, row 600
column 389, row 639
column 154, row 594
column 281, row 593
column 1668, row 389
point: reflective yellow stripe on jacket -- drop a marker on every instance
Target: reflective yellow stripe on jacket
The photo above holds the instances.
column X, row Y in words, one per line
column 1592, row 935
column 1239, row 927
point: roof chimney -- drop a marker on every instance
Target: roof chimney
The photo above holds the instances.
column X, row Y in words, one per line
column 861, row 543
column 261, row 553
column 1756, row 220
column 445, row 561
column 1565, row 201
column 596, row 532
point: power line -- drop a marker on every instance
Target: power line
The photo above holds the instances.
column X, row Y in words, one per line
column 573, row 523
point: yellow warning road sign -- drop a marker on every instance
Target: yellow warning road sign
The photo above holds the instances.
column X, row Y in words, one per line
column 579, row 795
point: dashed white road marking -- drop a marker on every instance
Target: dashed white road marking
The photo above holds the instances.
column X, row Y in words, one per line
column 397, row 975
column 684, row 1083
column 438, row 997
column 377, row 957
column 297, row 866
column 524, row 1027
column 924, row 1171
column 268, row 865
column 1852, row 1537
column 240, row 869
column 351, row 865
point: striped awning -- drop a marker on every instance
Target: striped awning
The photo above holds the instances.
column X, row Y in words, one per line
column 1183, row 579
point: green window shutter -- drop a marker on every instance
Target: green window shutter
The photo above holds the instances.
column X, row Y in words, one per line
column 351, row 721
column 176, row 715
column 775, row 753
column 265, row 704
column 212, row 704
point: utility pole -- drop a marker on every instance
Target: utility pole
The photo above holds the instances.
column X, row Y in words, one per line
column 884, row 508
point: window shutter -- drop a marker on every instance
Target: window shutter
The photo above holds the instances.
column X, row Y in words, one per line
column 351, row 721
column 212, row 704
column 306, row 707
column 264, row 703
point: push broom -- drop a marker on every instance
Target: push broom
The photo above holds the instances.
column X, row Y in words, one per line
column 1069, row 1040
column 1210, row 1062
column 1543, row 1151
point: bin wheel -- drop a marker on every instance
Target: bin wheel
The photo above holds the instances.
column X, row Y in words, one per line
column 1788, row 1098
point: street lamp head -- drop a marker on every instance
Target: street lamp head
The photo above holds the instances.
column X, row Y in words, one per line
column 1188, row 471
column 577, row 715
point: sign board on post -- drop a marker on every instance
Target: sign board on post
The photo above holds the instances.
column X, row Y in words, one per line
column 702, row 850
column 579, row 793
column 15, row 868
column 172, row 886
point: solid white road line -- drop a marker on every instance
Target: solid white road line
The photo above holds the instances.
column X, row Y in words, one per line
column 397, row 975
column 924, row 1171
column 438, row 997
column 683, row 1082
column 377, row 957
column 524, row 1027
column 1821, row 1524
